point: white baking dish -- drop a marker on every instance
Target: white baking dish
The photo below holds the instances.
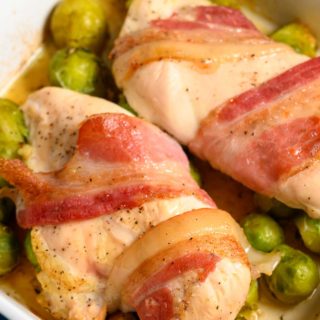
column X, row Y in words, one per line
column 21, row 33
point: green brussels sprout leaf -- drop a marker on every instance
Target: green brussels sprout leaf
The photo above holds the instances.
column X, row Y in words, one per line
column 9, row 250
column 299, row 37
column 125, row 105
column 128, row 3
column 195, row 174
column 29, row 251
column 253, row 295
column 227, row 3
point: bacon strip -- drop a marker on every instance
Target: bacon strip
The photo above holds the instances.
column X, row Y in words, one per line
column 119, row 138
column 273, row 89
column 121, row 162
column 267, row 134
column 277, row 151
column 206, row 17
column 205, row 262
column 158, row 304
column 173, row 38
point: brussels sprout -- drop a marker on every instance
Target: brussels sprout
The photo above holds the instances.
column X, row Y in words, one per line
column 309, row 230
column 263, row 232
column 295, row 277
column 3, row 183
column 299, row 37
column 280, row 210
column 251, row 302
column 125, row 105
column 13, row 131
column 253, row 294
column 128, row 3
column 9, row 250
column 273, row 206
column 75, row 69
column 79, row 24
column 7, row 209
column 247, row 314
column 29, row 251
column 195, row 174
column 227, row 3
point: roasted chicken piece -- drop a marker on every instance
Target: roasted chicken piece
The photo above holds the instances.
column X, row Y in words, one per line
column 184, row 268
column 118, row 184
column 177, row 61
column 238, row 99
column 123, row 179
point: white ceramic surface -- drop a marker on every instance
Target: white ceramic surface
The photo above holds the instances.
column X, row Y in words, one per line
column 21, row 29
column 13, row 310
column 22, row 23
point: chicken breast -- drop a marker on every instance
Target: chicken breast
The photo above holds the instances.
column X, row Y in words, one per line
column 76, row 257
column 177, row 62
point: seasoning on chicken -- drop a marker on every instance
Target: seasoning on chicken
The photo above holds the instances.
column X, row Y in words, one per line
column 53, row 116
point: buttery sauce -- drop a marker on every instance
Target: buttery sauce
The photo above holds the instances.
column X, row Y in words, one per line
column 34, row 77
column 229, row 195
column 21, row 285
